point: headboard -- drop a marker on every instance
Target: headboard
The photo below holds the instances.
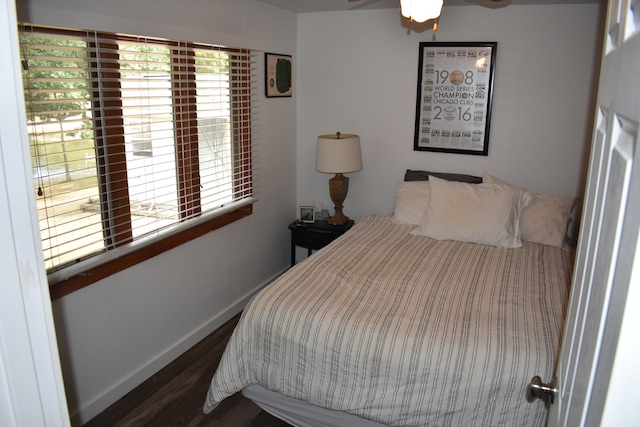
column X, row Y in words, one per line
column 411, row 175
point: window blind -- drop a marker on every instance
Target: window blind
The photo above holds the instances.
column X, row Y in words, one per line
column 133, row 137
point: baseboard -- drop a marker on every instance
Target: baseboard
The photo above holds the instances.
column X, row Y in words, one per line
column 110, row 396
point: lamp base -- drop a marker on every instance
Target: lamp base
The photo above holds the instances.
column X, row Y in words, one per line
column 338, row 219
column 338, row 188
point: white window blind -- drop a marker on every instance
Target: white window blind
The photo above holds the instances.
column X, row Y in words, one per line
column 133, row 137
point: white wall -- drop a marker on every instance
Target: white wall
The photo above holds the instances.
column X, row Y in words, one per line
column 119, row 331
column 357, row 73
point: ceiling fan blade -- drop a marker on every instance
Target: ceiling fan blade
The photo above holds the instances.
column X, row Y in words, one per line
column 491, row 4
column 364, row 3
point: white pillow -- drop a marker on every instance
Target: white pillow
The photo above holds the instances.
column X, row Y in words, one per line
column 411, row 201
column 479, row 213
column 546, row 218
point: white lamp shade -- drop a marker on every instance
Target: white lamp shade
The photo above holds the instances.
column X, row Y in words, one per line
column 420, row 10
column 338, row 153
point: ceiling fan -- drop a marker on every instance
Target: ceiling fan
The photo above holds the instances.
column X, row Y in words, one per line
column 416, row 10
column 486, row 3
column 424, row 10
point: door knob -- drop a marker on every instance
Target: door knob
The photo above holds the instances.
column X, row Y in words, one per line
column 539, row 390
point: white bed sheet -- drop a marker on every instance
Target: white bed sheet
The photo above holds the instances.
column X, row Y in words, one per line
column 299, row 413
column 405, row 330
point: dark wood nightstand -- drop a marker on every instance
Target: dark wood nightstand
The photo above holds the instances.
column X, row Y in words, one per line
column 314, row 235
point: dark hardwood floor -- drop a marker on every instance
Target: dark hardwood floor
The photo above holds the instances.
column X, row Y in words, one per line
column 175, row 395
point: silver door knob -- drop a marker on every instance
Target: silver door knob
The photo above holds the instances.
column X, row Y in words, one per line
column 538, row 390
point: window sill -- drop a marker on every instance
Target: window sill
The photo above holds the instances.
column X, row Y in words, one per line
column 60, row 288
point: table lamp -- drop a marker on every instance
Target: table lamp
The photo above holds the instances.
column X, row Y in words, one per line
column 338, row 153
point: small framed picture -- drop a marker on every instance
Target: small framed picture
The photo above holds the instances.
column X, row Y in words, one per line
column 307, row 213
column 277, row 75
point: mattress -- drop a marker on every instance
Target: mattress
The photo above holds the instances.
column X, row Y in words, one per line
column 300, row 413
column 405, row 330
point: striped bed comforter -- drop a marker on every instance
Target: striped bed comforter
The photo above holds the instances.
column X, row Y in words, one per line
column 405, row 330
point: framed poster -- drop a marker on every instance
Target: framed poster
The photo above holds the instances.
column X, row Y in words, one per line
column 453, row 103
column 277, row 75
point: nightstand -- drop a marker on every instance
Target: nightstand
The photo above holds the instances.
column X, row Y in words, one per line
column 314, row 235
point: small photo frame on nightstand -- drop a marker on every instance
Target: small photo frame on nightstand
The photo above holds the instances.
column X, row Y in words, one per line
column 306, row 214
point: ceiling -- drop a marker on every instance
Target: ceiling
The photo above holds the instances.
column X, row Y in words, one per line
column 330, row 5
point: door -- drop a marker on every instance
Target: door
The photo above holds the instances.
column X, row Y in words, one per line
column 31, row 387
column 596, row 366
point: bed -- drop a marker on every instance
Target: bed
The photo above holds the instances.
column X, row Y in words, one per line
column 438, row 314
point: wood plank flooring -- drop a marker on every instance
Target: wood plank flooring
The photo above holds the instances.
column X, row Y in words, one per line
column 175, row 395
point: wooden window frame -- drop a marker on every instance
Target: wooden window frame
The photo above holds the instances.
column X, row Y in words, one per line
column 109, row 142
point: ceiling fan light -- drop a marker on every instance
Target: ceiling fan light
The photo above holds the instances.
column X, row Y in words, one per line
column 405, row 8
column 420, row 10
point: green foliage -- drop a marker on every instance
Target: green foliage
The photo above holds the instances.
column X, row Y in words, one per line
column 144, row 57
column 57, row 89
column 212, row 62
column 55, row 77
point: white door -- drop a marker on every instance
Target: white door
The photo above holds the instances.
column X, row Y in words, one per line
column 31, row 387
column 596, row 368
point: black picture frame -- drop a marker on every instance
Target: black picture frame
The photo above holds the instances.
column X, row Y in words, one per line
column 278, row 70
column 454, row 97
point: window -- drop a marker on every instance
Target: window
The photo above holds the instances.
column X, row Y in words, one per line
column 137, row 145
